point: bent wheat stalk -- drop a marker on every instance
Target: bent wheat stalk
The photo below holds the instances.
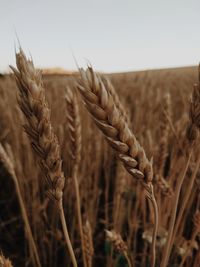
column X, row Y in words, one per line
column 110, row 120
column 8, row 164
column 40, row 132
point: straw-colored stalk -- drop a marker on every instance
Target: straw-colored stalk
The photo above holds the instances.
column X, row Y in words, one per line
column 41, row 135
column 74, row 129
column 9, row 166
column 191, row 135
column 185, row 199
column 164, row 133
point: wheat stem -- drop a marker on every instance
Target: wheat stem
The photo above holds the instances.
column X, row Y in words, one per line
column 80, row 223
column 26, row 222
column 7, row 162
column 127, row 259
column 185, row 200
column 66, row 234
column 112, row 122
column 155, row 230
column 44, row 142
column 74, row 128
column 167, row 248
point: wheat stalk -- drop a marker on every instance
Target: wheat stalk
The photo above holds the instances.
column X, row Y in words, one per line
column 191, row 135
column 40, row 132
column 8, row 164
column 162, row 184
column 74, row 128
column 110, row 120
column 164, row 133
column 194, row 114
column 88, row 243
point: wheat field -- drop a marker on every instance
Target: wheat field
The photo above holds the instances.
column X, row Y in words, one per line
column 99, row 169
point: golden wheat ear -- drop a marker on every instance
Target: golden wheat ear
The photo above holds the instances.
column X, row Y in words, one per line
column 44, row 142
column 109, row 119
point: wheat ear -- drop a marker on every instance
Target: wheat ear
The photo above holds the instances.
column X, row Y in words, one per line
column 191, row 135
column 88, row 243
column 74, row 128
column 164, row 132
column 40, row 132
column 5, row 262
column 162, row 184
column 110, row 120
column 118, row 244
column 8, row 164
column 116, row 100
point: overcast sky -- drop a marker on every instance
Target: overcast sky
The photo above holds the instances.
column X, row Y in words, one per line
column 113, row 35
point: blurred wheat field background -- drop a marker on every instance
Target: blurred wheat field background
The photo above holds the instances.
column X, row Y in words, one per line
column 116, row 221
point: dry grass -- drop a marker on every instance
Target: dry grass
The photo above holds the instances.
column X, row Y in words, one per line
column 142, row 116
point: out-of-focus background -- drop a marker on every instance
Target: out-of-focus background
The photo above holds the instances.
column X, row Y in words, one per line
column 113, row 35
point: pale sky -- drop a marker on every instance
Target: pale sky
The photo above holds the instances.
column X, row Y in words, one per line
column 113, row 35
